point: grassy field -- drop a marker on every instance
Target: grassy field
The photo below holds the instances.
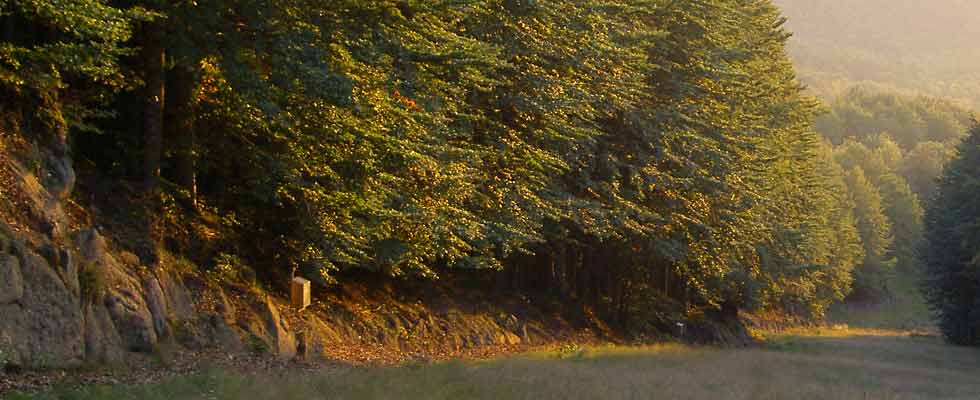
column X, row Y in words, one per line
column 878, row 356
column 820, row 364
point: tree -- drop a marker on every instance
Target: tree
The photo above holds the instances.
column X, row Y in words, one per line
column 863, row 112
column 951, row 246
column 923, row 165
column 49, row 49
column 905, row 214
column 870, row 278
column 616, row 156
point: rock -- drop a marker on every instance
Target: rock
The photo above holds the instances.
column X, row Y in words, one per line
column 69, row 271
column 91, row 244
column 60, row 177
column 129, row 310
column 60, row 259
column 259, row 338
column 223, row 306
column 223, row 335
column 129, row 259
column 6, row 238
column 102, row 342
column 191, row 334
column 11, row 280
column 43, row 327
column 178, row 299
column 123, row 294
column 158, row 306
column 312, row 340
column 168, row 300
column 283, row 342
column 509, row 338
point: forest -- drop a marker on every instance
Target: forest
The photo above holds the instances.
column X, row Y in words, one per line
column 654, row 163
column 645, row 158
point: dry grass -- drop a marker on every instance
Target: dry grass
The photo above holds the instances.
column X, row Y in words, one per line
column 831, row 364
column 870, row 354
column 904, row 310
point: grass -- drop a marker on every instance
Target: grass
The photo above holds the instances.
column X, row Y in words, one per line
column 905, row 310
column 869, row 354
column 827, row 364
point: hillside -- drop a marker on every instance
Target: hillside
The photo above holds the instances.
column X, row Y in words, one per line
column 924, row 46
column 458, row 180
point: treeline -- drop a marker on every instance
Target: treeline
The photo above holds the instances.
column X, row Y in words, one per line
column 891, row 148
column 650, row 159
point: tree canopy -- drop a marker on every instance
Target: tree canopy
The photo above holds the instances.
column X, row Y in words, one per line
column 614, row 154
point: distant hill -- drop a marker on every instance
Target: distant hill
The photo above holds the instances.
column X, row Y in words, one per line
column 928, row 46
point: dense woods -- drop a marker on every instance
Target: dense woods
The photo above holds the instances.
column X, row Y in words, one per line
column 652, row 160
column 892, row 147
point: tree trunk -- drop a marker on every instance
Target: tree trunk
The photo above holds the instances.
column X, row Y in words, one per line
column 180, row 126
column 155, row 79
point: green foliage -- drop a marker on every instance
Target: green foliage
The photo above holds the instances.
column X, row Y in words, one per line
column 863, row 112
column 870, row 278
column 951, row 249
column 621, row 154
column 230, row 269
column 905, row 214
column 900, row 143
column 50, row 45
column 923, row 165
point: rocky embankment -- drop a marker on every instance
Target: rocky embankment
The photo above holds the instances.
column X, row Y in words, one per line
column 69, row 296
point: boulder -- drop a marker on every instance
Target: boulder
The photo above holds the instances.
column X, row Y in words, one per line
column 123, row 294
column 43, row 327
column 223, row 305
column 178, row 299
column 223, row 335
column 128, row 309
column 158, row 306
column 11, row 280
column 283, row 342
column 59, row 180
column 312, row 340
column 102, row 342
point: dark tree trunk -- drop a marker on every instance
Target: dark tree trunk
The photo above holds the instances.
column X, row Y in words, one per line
column 155, row 79
column 180, row 127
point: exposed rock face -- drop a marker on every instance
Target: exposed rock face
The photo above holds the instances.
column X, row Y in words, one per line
column 179, row 306
column 49, row 317
column 43, row 326
column 102, row 341
column 158, row 306
column 282, row 341
column 124, row 295
column 11, row 280
column 67, row 297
